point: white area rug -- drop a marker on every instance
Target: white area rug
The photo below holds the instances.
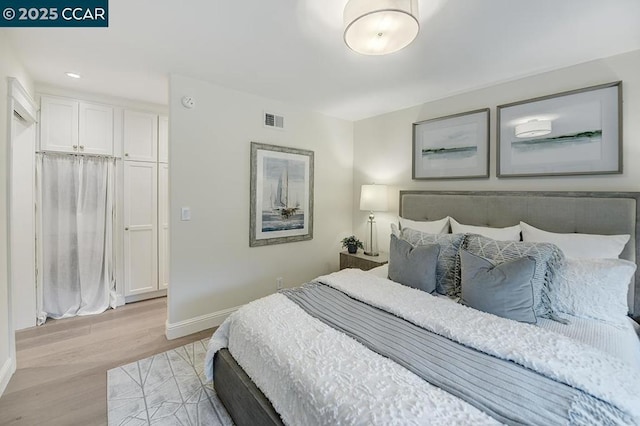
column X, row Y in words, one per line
column 166, row 389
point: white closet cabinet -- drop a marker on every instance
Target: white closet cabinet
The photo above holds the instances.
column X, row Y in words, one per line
column 69, row 125
column 96, row 129
column 140, row 227
column 163, row 232
column 140, row 136
column 58, row 124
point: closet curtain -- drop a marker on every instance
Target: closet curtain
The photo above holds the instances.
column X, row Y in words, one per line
column 76, row 235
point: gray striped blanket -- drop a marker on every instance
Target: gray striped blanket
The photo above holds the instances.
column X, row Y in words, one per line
column 510, row 393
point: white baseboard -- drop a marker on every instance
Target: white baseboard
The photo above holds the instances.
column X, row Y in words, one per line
column 6, row 372
column 145, row 296
column 193, row 325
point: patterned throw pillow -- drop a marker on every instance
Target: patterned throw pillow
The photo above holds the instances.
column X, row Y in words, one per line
column 549, row 261
column 448, row 265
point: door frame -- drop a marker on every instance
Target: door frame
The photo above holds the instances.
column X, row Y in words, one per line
column 20, row 102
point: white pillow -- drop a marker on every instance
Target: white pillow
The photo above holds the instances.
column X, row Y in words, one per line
column 593, row 288
column 511, row 233
column 578, row 246
column 430, row 227
column 394, row 230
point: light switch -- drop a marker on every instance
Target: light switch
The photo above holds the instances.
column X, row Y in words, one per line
column 185, row 213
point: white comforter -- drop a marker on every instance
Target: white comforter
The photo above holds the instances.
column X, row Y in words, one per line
column 314, row 374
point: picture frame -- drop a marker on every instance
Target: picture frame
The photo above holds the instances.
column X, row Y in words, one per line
column 281, row 195
column 452, row 147
column 578, row 132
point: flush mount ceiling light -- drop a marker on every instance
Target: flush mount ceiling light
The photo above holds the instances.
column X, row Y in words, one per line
column 72, row 75
column 379, row 27
column 533, row 128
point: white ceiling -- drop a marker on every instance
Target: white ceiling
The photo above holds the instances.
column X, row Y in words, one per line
column 292, row 50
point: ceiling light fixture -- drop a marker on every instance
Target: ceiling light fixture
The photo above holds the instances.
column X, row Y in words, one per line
column 73, row 75
column 533, row 128
column 379, row 27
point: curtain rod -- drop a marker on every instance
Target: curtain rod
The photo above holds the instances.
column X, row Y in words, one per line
column 73, row 154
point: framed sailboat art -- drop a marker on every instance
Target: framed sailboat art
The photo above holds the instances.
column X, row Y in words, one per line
column 281, row 195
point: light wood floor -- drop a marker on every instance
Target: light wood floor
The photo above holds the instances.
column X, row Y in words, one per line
column 61, row 378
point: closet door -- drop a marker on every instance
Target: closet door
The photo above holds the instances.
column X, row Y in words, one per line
column 163, row 217
column 140, row 227
column 58, row 124
column 140, row 136
column 96, row 129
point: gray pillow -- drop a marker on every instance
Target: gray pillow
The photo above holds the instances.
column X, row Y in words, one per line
column 504, row 289
column 549, row 261
column 448, row 266
column 413, row 266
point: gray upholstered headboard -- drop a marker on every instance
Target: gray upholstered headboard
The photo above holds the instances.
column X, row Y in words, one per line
column 583, row 212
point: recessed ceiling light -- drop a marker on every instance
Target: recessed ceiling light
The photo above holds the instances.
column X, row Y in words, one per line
column 73, row 75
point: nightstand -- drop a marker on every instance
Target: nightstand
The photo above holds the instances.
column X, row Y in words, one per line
column 360, row 260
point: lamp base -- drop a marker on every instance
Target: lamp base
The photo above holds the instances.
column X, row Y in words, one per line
column 371, row 241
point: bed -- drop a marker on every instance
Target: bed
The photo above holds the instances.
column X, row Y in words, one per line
column 346, row 392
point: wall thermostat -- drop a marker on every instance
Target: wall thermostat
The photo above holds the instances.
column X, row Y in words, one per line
column 188, row 102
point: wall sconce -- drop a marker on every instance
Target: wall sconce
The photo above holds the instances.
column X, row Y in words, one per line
column 533, row 128
column 373, row 198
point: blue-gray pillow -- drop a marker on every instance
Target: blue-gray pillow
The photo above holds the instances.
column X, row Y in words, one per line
column 503, row 289
column 448, row 266
column 549, row 262
column 413, row 266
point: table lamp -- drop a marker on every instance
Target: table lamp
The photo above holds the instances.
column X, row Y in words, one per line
column 373, row 198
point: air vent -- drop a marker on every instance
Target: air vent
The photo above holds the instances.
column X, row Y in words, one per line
column 273, row 120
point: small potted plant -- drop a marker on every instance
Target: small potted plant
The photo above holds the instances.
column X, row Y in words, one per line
column 352, row 244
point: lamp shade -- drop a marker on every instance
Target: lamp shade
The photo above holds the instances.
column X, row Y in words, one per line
column 373, row 198
column 379, row 27
column 533, row 128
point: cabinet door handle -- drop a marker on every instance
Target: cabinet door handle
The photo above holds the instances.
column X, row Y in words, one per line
column 75, row 147
column 81, row 147
column 126, row 228
column 126, row 154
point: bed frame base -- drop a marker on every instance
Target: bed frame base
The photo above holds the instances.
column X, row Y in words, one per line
column 244, row 402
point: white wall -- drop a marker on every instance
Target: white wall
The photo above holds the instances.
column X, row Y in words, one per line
column 212, row 266
column 9, row 67
column 383, row 144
